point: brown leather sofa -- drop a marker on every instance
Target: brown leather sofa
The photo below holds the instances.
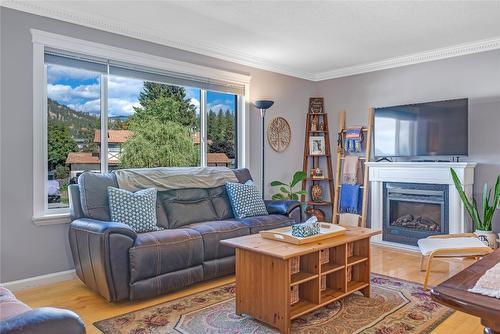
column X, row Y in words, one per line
column 120, row 264
column 17, row 317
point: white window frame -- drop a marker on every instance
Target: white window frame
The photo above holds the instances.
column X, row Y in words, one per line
column 42, row 40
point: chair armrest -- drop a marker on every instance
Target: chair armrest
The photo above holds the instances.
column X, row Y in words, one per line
column 100, row 253
column 43, row 320
column 104, row 227
column 289, row 208
column 456, row 235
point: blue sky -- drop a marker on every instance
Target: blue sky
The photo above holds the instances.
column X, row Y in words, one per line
column 80, row 90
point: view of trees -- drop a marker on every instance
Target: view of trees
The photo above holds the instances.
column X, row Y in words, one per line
column 222, row 132
column 59, row 144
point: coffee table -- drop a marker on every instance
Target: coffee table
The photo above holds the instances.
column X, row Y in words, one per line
column 264, row 280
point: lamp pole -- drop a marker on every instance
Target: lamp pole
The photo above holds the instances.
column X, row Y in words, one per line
column 263, row 106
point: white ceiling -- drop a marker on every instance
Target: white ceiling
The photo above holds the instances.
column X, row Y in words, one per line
column 312, row 40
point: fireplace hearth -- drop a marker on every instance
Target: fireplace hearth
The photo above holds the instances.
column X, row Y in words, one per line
column 413, row 211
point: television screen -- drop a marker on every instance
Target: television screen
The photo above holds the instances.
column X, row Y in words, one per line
column 423, row 129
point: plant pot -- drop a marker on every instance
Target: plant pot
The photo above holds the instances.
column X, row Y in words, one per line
column 489, row 238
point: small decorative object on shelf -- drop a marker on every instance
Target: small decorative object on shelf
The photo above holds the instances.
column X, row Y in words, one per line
column 324, row 256
column 321, row 126
column 316, row 193
column 323, row 282
column 320, row 214
column 294, row 294
column 316, row 105
column 318, row 174
column 279, row 134
column 295, row 265
column 317, row 145
column 314, row 124
column 308, row 228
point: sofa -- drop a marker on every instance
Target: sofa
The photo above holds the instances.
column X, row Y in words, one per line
column 17, row 317
column 120, row 264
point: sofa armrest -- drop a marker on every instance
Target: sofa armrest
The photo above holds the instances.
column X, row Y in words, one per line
column 100, row 253
column 289, row 208
column 43, row 320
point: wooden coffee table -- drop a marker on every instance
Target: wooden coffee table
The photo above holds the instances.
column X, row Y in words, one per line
column 264, row 281
column 453, row 292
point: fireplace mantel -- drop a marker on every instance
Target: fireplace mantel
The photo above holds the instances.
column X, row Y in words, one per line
column 420, row 172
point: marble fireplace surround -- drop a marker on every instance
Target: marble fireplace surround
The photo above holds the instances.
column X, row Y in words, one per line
column 420, row 172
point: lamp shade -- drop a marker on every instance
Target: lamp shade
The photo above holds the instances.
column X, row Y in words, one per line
column 263, row 104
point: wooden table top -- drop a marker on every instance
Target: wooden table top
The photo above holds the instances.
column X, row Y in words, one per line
column 453, row 292
column 286, row 250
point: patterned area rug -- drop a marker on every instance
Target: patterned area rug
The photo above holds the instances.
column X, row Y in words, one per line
column 396, row 307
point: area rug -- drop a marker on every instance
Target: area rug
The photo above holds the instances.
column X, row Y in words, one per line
column 396, row 307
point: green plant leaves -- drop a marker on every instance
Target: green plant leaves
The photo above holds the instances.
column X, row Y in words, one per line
column 471, row 208
column 278, row 183
column 284, row 190
column 297, row 177
column 278, row 197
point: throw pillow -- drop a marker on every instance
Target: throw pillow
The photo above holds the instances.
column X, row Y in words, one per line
column 138, row 210
column 245, row 200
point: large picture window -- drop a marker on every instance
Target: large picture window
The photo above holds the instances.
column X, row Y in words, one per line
column 102, row 117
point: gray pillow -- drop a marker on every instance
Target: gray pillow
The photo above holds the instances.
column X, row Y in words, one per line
column 138, row 210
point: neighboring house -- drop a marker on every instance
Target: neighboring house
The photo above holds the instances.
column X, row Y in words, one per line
column 80, row 162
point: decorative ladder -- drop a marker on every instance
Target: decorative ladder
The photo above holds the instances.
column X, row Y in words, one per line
column 341, row 156
column 316, row 110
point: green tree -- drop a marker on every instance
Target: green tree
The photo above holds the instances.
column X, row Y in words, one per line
column 166, row 103
column 159, row 144
column 60, row 143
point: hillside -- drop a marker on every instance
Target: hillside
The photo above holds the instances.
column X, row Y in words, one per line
column 80, row 124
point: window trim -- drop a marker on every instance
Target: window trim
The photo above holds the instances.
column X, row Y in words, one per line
column 42, row 40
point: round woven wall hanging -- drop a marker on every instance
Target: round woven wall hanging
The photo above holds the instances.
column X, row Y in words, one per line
column 279, row 134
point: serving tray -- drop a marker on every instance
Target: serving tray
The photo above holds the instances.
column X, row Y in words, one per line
column 284, row 234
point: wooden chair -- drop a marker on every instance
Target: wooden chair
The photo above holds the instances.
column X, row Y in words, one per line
column 463, row 245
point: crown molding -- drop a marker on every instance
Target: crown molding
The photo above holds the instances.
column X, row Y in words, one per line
column 150, row 35
column 235, row 56
column 421, row 57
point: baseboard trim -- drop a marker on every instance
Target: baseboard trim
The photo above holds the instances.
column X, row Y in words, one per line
column 41, row 280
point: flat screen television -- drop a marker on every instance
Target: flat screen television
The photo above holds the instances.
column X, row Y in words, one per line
column 424, row 129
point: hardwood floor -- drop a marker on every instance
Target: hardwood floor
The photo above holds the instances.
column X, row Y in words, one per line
column 75, row 296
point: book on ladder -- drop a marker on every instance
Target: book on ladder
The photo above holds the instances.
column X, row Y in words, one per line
column 317, row 149
column 361, row 154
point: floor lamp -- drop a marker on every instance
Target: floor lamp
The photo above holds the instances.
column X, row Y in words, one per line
column 263, row 105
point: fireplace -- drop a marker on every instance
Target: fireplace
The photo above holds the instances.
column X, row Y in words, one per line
column 414, row 211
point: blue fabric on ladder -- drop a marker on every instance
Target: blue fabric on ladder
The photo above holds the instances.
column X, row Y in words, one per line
column 350, row 198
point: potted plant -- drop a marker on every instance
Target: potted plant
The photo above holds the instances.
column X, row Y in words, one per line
column 287, row 191
column 482, row 223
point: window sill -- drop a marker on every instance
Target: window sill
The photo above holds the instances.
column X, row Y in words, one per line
column 52, row 219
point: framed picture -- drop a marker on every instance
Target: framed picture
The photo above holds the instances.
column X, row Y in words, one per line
column 317, row 145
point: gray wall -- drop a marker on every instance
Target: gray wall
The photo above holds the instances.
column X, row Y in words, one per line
column 474, row 76
column 28, row 250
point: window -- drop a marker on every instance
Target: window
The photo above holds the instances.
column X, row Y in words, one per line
column 102, row 117
column 98, row 108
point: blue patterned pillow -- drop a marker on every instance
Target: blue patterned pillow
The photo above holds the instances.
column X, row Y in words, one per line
column 245, row 200
column 138, row 210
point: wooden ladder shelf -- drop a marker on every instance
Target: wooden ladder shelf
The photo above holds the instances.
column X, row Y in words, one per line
column 341, row 154
column 316, row 115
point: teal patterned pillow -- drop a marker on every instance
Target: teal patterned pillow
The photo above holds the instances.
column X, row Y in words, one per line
column 245, row 200
column 138, row 210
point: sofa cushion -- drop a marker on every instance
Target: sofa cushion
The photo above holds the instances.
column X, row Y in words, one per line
column 160, row 252
column 187, row 206
column 260, row 223
column 245, row 200
column 213, row 232
column 94, row 194
column 220, row 202
column 136, row 209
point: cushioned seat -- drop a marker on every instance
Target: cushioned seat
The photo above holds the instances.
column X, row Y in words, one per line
column 161, row 252
column 428, row 245
column 259, row 223
column 213, row 232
